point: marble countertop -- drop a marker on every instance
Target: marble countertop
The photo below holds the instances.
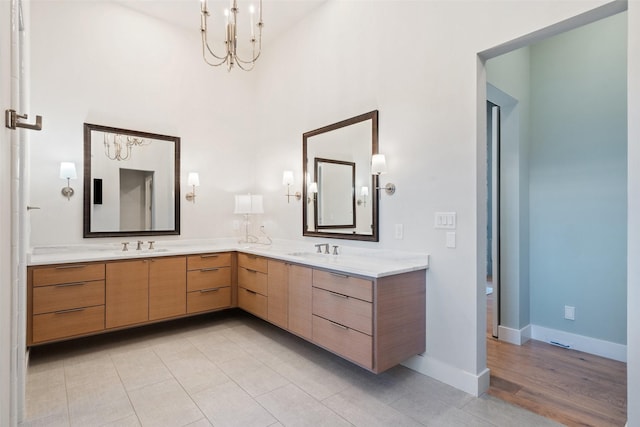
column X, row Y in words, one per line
column 366, row 262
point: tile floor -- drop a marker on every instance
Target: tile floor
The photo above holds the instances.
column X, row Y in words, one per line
column 230, row 369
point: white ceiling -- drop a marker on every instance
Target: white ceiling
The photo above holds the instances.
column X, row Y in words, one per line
column 278, row 15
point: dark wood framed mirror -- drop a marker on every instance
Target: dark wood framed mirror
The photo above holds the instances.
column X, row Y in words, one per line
column 131, row 183
column 338, row 151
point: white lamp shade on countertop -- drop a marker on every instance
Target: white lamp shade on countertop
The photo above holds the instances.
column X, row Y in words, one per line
column 364, row 191
column 68, row 170
column 313, row 187
column 248, row 204
column 193, row 179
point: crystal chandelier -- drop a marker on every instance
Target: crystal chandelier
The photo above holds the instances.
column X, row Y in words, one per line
column 118, row 147
column 230, row 57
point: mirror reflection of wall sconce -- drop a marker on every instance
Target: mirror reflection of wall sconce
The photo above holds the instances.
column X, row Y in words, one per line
column 364, row 192
column 193, row 179
column 68, row 171
column 313, row 190
column 378, row 167
column 287, row 179
column 248, row 204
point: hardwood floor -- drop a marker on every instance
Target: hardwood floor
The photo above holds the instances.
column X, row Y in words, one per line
column 571, row 387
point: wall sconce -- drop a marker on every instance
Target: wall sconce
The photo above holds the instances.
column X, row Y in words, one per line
column 378, row 167
column 193, row 179
column 68, row 171
column 313, row 190
column 364, row 192
column 248, row 204
column 287, row 179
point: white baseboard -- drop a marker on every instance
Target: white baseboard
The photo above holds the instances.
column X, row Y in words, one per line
column 455, row 377
column 602, row 348
column 514, row 336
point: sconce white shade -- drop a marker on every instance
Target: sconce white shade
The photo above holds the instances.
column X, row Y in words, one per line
column 313, row 187
column 68, row 170
column 378, row 164
column 193, row 179
column 287, row 178
column 364, row 191
column 248, row 204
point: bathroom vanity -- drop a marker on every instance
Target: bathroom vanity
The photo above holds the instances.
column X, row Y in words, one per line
column 376, row 321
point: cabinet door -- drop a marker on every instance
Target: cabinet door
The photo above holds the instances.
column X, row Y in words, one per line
column 167, row 287
column 300, row 284
column 277, row 297
column 127, row 293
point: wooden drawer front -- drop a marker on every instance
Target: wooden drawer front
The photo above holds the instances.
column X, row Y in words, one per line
column 347, row 311
column 343, row 284
column 51, row 326
column 209, row 299
column 344, row 341
column 66, row 296
column 207, row 278
column 252, row 302
column 197, row 262
column 67, row 274
column 252, row 280
column 252, row 262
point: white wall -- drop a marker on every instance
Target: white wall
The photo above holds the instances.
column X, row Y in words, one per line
column 414, row 61
column 113, row 66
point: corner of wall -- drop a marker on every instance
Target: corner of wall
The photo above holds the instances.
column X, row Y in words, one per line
column 473, row 384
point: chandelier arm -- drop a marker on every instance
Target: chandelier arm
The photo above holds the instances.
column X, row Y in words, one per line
column 205, row 47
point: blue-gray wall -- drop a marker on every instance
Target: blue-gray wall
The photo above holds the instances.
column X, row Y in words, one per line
column 578, row 156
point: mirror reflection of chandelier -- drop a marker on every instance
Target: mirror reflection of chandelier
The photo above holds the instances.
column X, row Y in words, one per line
column 230, row 57
column 118, row 147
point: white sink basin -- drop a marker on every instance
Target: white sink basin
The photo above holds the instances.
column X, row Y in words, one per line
column 311, row 255
column 133, row 252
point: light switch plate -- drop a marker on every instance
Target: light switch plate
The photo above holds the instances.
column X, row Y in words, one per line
column 399, row 231
column 445, row 220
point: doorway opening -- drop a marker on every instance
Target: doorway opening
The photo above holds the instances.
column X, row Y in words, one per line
column 548, row 205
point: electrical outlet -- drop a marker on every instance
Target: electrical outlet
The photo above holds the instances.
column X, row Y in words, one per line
column 569, row 312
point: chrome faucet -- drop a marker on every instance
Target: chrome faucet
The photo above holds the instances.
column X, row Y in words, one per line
column 320, row 245
column 139, row 247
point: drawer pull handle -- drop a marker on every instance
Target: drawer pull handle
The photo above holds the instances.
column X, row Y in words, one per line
column 204, row 291
column 251, row 292
column 66, row 285
column 205, row 270
column 66, row 267
column 71, row 310
column 209, row 256
column 338, row 325
column 250, row 271
column 338, row 295
column 342, row 276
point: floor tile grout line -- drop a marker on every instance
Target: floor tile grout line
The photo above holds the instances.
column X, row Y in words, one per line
column 125, row 390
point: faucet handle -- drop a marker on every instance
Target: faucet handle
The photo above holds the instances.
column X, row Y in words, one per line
column 124, row 246
column 151, row 242
column 139, row 247
column 319, row 248
column 335, row 249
